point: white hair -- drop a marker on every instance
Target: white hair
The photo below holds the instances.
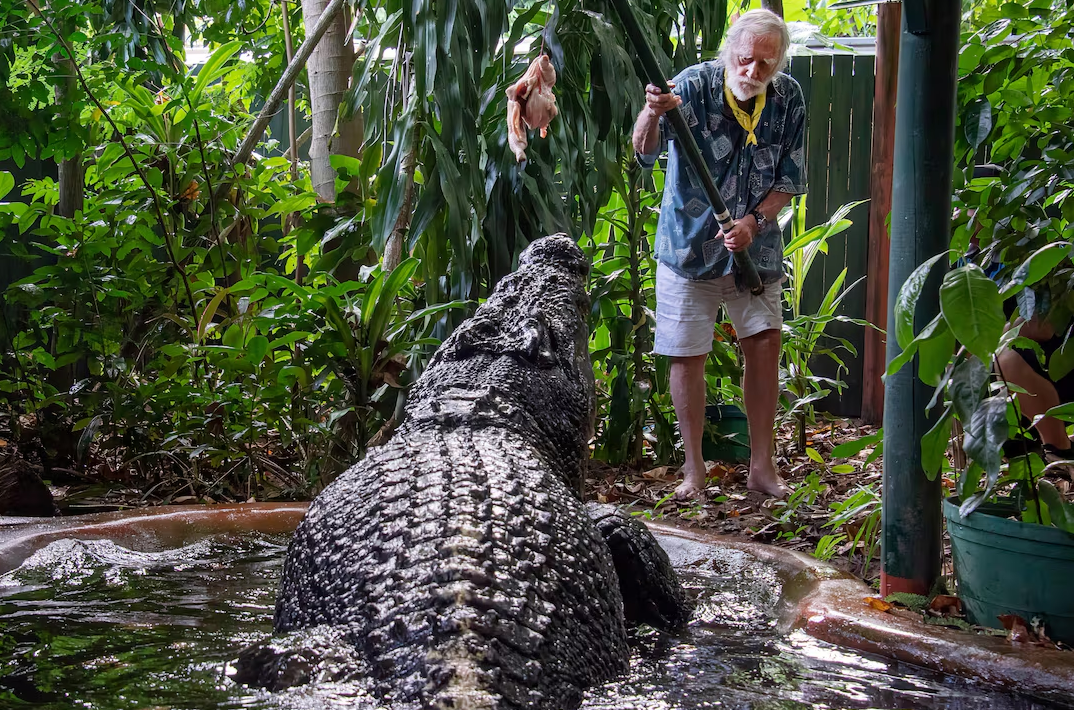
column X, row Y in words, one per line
column 756, row 23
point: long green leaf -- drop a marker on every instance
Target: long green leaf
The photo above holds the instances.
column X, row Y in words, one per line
column 213, row 69
column 935, row 353
column 985, row 434
column 209, row 312
column 934, row 445
column 385, row 302
column 968, row 379
column 906, row 303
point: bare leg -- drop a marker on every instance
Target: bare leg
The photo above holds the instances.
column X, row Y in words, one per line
column 760, row 391
column 1040, row 398
column 688, row 395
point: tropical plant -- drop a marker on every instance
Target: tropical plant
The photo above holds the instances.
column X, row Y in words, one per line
column 804, row 337
column 1015, row 92
column 956, row 353
column 1015, row 89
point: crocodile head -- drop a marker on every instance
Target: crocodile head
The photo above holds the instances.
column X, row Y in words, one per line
column 522, row 359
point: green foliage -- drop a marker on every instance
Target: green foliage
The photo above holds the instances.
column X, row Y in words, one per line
column 856, row 522
column 1015, row 90
column 842, row 22
column 804, row 338
column 1016, row 82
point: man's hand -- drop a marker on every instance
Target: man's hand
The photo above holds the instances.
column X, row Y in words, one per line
column 741, row 235
column 658, row 102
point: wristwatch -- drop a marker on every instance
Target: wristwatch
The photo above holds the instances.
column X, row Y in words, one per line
column 761, row 219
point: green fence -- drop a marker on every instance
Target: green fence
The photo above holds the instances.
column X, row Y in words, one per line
column 839, row 98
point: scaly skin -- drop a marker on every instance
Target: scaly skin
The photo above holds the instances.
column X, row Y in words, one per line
column 457, row 561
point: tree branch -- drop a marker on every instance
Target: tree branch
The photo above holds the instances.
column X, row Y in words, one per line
column 272, row 104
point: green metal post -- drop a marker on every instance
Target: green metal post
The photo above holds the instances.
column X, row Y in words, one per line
column 920, row 228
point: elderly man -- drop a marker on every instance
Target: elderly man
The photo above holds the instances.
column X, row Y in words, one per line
column 749, row 120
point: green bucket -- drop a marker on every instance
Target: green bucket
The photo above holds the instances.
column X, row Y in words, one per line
column 1005, row 566
column 726, row 435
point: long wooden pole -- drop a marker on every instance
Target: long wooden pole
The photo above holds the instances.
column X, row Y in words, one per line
column 684, row 140
column 888, row 21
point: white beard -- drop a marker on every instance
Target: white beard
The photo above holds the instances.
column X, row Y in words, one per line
column 745, row 89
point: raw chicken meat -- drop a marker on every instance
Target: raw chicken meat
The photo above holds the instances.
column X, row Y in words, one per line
column 530, row 102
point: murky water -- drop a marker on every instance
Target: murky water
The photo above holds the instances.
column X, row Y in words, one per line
column 94, row 625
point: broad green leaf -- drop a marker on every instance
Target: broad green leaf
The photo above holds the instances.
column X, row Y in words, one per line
column 934, row 354
column 291, row 374
column 295, row 203
column 934, row 445
column 386, row 300
column 1063, row 412
column 1036, row 266
column 973, row 309
column 6, row 183
column 346, row 165
column 968, row 379
column 1061, row 512
column 843, row 468
column 977, row 122
column 1061, row 362
column 985, row 434
column 257, row 348
column 928, row 333
column 906, row 303
column 814, row 454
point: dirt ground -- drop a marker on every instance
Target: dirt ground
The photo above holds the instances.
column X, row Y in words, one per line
column 728, row 508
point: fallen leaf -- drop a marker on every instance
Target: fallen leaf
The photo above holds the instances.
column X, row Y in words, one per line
column 878, row 604
column 660, row 473
column 1016, row 625
column 946, row 605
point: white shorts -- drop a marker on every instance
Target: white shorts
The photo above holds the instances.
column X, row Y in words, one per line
column 686, row 311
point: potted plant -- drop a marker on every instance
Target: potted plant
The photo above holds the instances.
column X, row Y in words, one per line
column 1011, row 530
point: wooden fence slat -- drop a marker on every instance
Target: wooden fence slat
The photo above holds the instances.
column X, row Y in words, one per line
column 838, row 192
column 818, row 116
column 857, row 237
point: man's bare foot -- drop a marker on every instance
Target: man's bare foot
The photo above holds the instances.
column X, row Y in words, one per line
column 692, row 486
column 766, row 480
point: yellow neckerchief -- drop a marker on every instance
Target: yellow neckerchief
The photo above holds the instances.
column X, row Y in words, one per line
column 748, row 122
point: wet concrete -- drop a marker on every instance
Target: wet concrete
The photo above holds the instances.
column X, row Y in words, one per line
column 145, row 529
column 814, row 597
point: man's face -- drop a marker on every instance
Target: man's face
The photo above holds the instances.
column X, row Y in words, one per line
column 753, row 64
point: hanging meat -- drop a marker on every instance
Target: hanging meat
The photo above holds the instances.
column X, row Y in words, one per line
column 530, row 102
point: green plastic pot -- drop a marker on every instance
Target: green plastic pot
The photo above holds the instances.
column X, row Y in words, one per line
column 726, row 435
column 1005, row 566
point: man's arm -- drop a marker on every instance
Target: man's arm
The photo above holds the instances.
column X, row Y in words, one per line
column 647, row 127
column 746, row 229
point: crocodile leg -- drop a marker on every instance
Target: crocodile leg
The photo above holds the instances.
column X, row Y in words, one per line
column 652, row 593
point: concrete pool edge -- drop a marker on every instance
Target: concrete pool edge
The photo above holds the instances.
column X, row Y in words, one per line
column 830, row 606
column 819, row 600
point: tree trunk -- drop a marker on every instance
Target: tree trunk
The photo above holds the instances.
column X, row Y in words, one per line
column 775, row 6
column 69, row 170
column 330, row 68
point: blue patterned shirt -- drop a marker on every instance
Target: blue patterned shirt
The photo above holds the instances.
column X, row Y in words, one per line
column 745, row 174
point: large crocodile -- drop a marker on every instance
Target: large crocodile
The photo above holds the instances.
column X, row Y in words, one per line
column 456, row 565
